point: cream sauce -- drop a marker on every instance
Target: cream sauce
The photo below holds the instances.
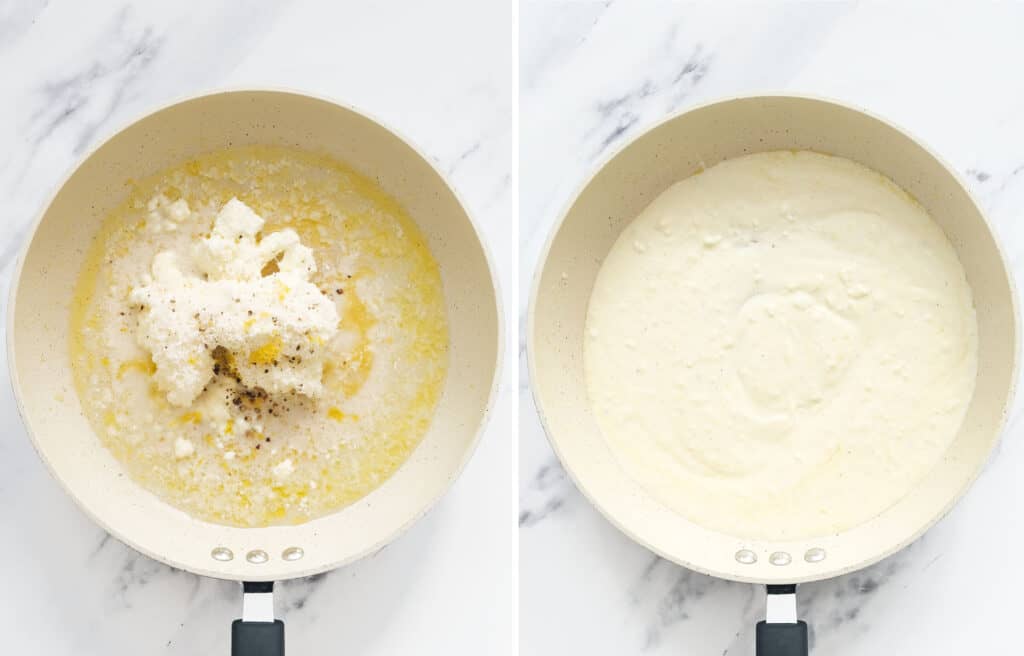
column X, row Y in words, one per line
column 782, row 346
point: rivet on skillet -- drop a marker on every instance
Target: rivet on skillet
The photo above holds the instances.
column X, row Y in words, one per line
column 815, row 555
column 222, row 554
column 293, row 553
column 257, row 557
column 746, row 557
column 780, row 558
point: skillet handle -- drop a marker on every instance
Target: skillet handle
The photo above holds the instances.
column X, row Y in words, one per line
column 782, row 639
column 781, row 633
column 257, row 633
column 257, row 638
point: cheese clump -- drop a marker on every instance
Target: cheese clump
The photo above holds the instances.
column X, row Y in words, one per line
column 273, row 327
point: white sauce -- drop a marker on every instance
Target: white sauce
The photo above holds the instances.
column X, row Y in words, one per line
column 781, row 347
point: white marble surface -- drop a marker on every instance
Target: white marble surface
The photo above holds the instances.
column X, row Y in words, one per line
column 593, row 75
column 73, row 72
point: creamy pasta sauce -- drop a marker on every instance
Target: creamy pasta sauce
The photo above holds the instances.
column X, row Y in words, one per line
column 781, row 346
column 338, row 346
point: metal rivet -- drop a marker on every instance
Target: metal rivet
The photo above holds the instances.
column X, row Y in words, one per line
column 293, row 553
column 780, row 558
column 746, row 557
column 222, row 554
column 815, row 555
column 257, row 557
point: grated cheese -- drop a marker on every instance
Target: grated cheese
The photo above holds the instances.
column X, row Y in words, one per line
column 273, row 326
column 183, row 448
column 165, row 215
column 283, row 469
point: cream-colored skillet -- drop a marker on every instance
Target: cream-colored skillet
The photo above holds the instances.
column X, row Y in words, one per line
column 621, row 188
column 40, row 366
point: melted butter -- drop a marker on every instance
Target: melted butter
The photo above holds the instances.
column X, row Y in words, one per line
column 269, row 352
column 355, row 369
column 145, row 366
column 190, row 418
column 337, row 414
column 359, row 235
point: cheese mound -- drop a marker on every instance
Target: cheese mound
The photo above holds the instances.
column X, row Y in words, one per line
column 273, row 327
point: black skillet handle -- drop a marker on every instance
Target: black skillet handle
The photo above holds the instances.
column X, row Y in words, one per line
column 781, row 634
column 257, row 633
column 257, row 638
column 782, row 639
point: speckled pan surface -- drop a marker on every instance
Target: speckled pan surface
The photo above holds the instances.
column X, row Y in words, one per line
column 621, row 188
column 38, row 344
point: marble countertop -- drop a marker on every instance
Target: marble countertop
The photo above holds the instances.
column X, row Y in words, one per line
column 595, row 74
column 74, row 72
